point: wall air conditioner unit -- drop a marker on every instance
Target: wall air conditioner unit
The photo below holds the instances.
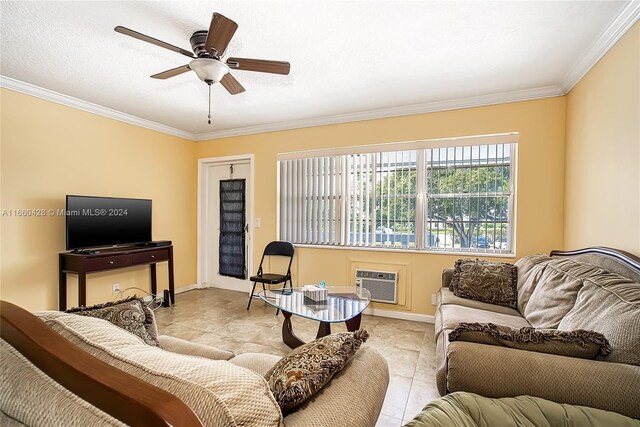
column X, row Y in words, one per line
column 383, row 285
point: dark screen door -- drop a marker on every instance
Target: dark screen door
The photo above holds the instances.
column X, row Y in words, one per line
column 232, row 257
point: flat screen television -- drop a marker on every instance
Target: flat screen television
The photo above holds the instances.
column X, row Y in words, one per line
column 107, row 221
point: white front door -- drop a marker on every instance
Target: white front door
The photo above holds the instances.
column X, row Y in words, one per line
column 210, row 223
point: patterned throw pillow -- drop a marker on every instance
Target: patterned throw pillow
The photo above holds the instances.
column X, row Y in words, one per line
column 130, row 314
column 486, row 281
column 304, row 371
column 579, row 343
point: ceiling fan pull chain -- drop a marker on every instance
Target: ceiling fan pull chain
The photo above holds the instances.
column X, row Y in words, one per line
column 209, row 103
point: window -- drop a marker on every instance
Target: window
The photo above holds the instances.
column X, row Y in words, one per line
column 456, row 197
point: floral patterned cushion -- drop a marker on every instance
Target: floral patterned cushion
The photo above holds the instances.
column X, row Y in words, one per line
column 304, row 371
column 130, row 314
column 486, row 281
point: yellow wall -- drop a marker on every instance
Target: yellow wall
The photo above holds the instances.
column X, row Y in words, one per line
column 541, row 124
column 602, row 177
column 48, row 151
column 591, row 198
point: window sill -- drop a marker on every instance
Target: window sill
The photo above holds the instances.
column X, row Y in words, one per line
column 411, row 251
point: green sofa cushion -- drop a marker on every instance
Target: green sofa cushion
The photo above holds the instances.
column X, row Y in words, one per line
column 471, row 410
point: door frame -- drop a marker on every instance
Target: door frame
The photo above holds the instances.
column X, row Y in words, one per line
column 203, row 194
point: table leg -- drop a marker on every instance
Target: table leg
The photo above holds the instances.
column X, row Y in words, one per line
column 171, row 284
column 288, row 336
column 324, row 329
column 62, row 286
column 354, row 323
column 82, row 289
column 154, row 281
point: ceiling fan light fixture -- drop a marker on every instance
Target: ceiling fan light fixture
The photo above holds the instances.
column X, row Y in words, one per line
column 209, row 70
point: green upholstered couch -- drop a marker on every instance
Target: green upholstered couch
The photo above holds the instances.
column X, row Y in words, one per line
column 463, row 409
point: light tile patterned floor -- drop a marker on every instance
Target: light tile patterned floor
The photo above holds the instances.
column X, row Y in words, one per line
column 219, row 318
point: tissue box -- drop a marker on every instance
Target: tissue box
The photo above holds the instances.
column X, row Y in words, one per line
column 315, row 294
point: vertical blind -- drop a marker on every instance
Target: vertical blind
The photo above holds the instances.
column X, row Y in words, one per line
column 450, row 198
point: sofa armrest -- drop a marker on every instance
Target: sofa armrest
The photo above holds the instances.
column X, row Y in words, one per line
column 177, row 345
column 494, row 371
column 447, row 275
column 353, row 397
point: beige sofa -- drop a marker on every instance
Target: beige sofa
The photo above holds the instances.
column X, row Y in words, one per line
column 548, row 288
column 218, row 388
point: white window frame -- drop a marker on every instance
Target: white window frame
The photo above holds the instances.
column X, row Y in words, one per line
column 421, row 203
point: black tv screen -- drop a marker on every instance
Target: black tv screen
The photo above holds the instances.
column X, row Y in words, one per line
column 107, row 221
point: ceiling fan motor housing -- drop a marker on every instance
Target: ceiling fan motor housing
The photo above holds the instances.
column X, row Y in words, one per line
column 198, row 40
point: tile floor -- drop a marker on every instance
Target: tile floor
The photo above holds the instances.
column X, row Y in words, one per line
column 219, row 318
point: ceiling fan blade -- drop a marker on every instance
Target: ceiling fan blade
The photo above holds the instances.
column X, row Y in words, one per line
column 220, row 33
column 172, row 72
column 231, row 84
column 260, row 65
column 148, row 39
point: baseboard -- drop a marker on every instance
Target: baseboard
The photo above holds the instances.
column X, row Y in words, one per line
column 186, row 288
column 402, row 315
column 246, row 288
column 206, row 286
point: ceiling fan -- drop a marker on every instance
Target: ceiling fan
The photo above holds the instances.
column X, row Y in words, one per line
column 208, row 48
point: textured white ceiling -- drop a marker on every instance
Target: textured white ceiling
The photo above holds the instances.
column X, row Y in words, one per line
column 346, row 56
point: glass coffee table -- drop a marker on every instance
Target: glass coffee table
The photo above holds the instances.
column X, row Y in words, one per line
column 343, row 304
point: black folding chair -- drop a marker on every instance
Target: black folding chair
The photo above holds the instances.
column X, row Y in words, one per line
column 276, row 248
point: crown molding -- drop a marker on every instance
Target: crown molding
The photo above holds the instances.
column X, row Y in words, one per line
column 429, row 107
column 69, row 101
column 618, row 27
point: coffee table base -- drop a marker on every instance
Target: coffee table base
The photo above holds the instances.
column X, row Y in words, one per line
column 324, row 329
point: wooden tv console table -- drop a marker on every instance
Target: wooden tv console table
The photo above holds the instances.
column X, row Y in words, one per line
column 111, row 259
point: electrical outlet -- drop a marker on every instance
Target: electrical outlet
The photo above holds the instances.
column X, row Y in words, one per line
column 115, row 288
column 433, row 299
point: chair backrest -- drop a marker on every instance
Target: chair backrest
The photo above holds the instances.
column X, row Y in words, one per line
column 278, row 248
